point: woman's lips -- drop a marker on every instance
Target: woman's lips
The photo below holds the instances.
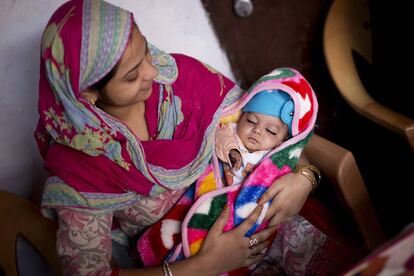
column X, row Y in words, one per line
column 147, row 87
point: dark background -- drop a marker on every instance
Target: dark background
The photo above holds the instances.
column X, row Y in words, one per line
column 289, row 33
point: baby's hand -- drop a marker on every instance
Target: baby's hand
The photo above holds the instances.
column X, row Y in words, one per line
column 235, row 159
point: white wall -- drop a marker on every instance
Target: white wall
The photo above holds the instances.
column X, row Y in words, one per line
column 179, row 26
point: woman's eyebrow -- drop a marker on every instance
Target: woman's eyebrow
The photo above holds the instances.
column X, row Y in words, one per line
column 139, row 63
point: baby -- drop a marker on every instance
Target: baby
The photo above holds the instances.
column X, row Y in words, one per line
column 265, row 123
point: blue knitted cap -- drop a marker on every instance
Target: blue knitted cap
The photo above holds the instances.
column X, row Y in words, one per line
column 276, row 103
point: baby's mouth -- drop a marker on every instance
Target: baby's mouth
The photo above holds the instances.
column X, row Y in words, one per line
column 253, row 140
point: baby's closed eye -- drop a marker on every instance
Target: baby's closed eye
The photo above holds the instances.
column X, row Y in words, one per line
column 273, row 132
column 251, row 121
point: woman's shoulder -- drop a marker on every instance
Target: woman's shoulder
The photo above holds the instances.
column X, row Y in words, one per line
column 187, row 62
column 188, row 65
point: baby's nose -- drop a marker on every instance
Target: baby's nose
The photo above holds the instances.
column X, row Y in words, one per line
column 257, row 130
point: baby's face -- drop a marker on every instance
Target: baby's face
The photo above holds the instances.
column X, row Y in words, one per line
column 261, row 132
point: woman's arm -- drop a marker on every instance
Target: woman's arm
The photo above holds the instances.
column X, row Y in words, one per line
column 83, row 241
column 220, row 252
column 84, row 246
column 289, row 193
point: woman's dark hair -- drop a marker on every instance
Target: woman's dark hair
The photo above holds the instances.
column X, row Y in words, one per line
column 104, row 81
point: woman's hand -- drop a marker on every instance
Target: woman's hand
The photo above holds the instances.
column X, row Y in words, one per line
column 289, row 193
column 226, row 251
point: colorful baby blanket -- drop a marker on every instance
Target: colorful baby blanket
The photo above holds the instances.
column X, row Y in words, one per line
column 181, row 232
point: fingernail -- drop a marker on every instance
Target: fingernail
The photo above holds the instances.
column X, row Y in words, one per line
column 259, row 201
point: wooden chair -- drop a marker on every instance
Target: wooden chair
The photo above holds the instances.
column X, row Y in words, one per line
column 21, row 217
column 346, row 30
column 339, row 166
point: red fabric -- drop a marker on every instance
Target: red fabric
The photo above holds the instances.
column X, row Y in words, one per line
column 338, row 253
column 319, row 216
column 155, row 230
column 303, row 88
column 115, row 272
column 87, row 173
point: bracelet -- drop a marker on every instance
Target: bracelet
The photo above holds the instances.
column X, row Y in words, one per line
column 311, row 172
column 166, row 268
column 316, row 173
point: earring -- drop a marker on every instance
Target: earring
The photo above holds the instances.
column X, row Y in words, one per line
column 92, row 101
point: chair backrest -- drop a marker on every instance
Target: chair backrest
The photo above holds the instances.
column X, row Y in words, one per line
column 21, row 217
column 346, row 30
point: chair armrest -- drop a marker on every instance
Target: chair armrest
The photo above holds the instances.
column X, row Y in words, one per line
column 339, row 167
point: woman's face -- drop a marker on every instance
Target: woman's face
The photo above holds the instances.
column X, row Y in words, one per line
column 261, row 132
column 132, row 81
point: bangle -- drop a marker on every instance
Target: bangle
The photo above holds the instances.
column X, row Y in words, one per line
column 316, row 174
column 166, row 268
column 311, row 172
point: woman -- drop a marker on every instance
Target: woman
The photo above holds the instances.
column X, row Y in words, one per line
column 124, row 129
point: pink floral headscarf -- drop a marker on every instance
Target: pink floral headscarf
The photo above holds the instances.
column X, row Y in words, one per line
column 94, row 152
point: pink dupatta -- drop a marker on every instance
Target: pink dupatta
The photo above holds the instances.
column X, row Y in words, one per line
column 92, row 151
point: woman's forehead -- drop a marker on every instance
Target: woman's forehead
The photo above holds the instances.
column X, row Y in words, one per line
column 135, row 50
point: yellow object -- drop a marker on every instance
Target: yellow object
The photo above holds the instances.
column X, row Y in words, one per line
column 195, row 246
column 232, row 118
column 207, row 184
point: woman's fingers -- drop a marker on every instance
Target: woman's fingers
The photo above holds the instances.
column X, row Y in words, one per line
column 254, row 259
column 270, row 193
column 277, row 219
column 257, row 252
column 262, row 235
column 219, row 224
column 274, row 208
column 249, row 221
column 258, row 248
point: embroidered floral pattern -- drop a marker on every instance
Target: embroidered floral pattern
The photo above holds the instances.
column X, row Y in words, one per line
column 84, row 241
column 135, row 218
column 295, row 244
